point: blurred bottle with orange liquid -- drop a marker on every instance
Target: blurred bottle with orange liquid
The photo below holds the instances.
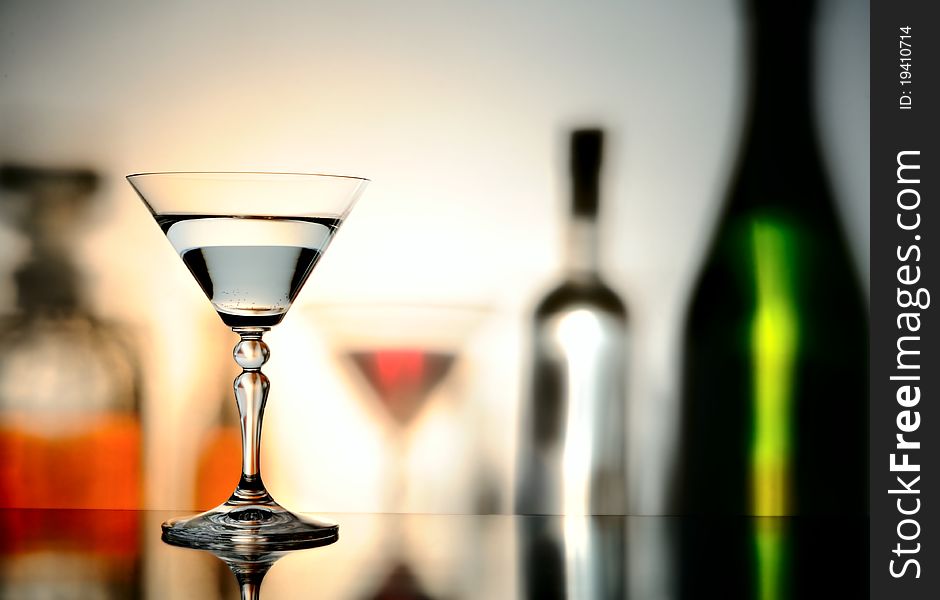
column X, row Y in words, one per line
column 70, row 383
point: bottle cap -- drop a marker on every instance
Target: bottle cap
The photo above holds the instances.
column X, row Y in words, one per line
column 587, row 147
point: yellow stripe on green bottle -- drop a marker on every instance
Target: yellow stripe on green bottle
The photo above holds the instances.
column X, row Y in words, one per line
column 774, row 346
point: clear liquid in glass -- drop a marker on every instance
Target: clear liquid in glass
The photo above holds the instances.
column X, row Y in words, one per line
column 251, row 268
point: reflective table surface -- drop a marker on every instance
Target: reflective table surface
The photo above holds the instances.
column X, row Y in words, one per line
column 119, row 554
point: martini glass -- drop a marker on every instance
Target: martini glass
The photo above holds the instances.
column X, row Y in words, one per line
column 250, row 240
column 403, row 353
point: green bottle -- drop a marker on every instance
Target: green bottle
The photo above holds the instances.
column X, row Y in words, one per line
column 775, row 375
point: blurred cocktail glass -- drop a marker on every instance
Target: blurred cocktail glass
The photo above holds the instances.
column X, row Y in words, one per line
column 398, row 357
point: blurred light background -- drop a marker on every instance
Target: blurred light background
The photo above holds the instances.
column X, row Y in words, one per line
column 457, row 111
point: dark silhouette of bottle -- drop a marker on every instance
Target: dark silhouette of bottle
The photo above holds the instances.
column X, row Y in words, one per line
column 572, row 439
column 776, row 343
column 775, row 386
column 572, row 446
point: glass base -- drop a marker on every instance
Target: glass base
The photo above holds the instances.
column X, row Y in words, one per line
column 255, row 527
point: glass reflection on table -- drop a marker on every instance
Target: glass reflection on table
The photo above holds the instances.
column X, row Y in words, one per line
column 57, row 554
column 53, row 553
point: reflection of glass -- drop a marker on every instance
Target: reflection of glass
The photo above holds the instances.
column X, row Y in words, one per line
column 54, row 554
column 774, row 558
column 651, row 569
column 403, row 353
column 400, row 584
column 69, row 380
column 572, row 557
column 249, row 565
column 250, row 240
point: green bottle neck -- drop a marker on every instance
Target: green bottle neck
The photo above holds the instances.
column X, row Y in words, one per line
column 780, row 167
column 780, row 71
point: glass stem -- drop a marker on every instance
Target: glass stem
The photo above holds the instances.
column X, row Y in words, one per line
column 250, row 590
column 251, row 393
column 249, row 576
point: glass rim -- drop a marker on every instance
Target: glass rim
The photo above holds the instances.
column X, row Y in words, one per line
column 247, row 173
